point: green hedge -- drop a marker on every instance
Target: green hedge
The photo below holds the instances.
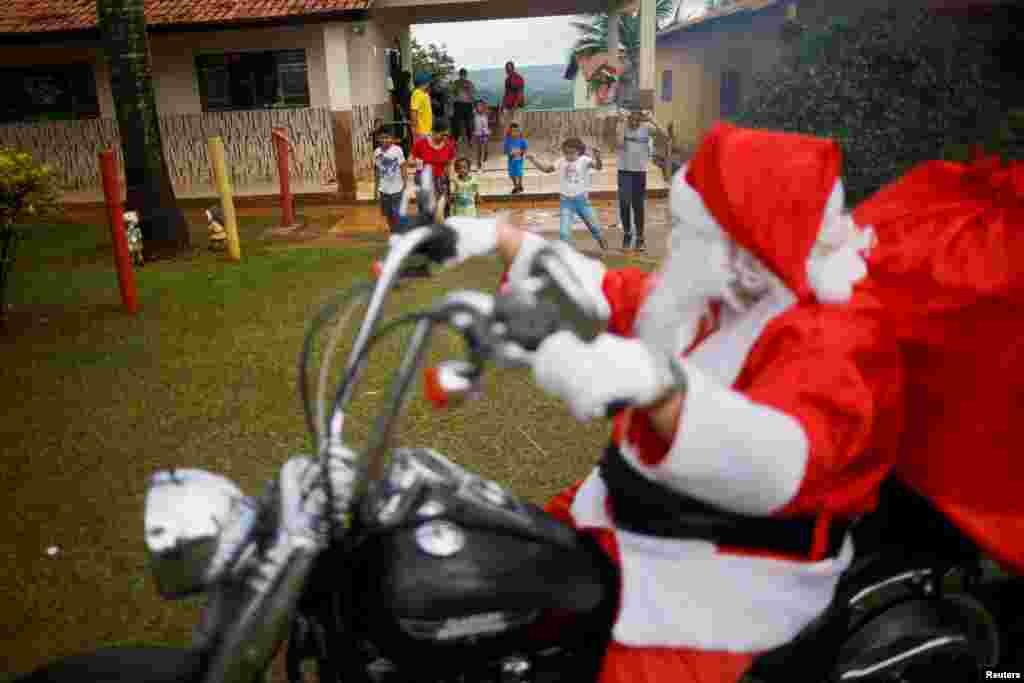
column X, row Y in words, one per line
column 894, row 87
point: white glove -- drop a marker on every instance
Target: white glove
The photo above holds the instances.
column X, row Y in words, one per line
column 474, row 237
column 593, row 377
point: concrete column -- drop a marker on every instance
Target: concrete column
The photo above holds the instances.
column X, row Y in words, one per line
column 405, row 44
column 648, row 35
column 339, row 97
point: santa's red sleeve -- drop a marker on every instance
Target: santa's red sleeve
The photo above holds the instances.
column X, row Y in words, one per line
column 797, row 433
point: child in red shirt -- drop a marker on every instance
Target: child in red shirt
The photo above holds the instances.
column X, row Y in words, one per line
column 438, row 151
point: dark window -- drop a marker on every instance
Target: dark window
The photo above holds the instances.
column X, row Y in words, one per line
column 729, row 104
column 48, row 93
column 253, row 80
column 666, row 85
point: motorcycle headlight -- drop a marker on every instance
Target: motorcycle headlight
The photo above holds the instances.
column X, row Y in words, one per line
column 197, row 524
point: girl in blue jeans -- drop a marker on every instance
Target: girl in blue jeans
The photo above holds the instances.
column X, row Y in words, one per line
column 574, row 176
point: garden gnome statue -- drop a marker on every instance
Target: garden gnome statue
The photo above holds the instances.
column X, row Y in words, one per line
column 134, row 234
column 218, row 235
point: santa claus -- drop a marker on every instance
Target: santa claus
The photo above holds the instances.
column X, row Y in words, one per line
column 764, row 403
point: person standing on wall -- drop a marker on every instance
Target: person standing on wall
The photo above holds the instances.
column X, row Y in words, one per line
column 421, row 111
column 515, row 93
column 634, row 147
column 464, row 93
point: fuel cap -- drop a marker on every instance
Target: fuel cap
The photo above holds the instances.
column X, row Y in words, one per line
column 440, row 538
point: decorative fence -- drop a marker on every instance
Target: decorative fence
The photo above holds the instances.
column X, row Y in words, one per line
column 547, row 129
column 71, row 147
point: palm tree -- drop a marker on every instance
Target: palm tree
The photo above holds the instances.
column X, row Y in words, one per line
column 122, row 25
column 594, row 40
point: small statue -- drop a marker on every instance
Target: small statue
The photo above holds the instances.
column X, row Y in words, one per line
column 218, row 235
column 134, row 234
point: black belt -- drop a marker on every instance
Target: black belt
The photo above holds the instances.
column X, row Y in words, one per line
column 644, row 507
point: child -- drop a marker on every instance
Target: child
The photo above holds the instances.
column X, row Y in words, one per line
column 515, row 149
column 389, row 162
column 574, row 172
column 465, row 190
column 438, row 151
column 481, row 132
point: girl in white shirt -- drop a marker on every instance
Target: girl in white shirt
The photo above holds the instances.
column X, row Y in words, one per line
column 574, row 173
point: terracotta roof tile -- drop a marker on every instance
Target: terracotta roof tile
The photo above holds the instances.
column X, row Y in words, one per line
column 41, row 16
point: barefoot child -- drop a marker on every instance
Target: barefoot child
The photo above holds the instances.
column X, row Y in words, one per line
column 515, row 150
column 481, row 133
column 465, row 190
column 574, row 173
column 389, row 163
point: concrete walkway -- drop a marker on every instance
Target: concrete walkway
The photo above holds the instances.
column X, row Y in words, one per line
column 494, row 184
column 540, row 217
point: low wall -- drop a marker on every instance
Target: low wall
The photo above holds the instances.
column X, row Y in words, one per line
column 71, row 147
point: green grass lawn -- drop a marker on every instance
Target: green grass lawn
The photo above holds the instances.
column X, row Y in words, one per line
column 204, row 376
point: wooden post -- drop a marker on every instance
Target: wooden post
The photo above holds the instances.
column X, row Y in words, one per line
column 281, row 143
column 648, row 37
column 118, row 238
column 227, row 204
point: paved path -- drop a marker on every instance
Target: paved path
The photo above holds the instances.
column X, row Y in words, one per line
column 541, row 217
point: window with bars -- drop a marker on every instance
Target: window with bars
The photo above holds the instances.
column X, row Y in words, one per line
column 48, row 93
column 253, row 80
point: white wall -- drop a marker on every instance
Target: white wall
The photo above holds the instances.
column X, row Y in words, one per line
column 344, row 68
column 174, row 60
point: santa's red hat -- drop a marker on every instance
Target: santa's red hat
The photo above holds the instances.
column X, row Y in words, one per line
column 779, row 196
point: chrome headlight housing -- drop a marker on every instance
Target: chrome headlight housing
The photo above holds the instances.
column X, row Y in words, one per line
column 197, row 525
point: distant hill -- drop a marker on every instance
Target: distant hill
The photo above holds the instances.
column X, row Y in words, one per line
column 545, row 86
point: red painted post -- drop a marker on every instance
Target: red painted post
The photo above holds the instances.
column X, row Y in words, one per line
column 115, row 213
column 281, row 142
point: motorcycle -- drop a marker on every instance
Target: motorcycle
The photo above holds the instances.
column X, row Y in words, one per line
column 396, row 564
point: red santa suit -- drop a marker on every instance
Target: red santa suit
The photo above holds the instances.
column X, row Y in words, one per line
column 949, row 266
column 792, row 410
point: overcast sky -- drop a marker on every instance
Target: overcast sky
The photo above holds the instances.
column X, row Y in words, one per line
column 480, row 44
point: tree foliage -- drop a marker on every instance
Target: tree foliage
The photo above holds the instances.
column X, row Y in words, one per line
column 895, row 87
column 432, row 58
column 27, row 189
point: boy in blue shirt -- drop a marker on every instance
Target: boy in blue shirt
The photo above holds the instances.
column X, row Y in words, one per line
column 515, row 150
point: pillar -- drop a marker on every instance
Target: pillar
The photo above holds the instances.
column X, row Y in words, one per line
column 405, row 45
column 339, row 93
column 648, row 36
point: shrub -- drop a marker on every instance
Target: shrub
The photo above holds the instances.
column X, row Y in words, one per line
column 27, row 189
column 894, row 87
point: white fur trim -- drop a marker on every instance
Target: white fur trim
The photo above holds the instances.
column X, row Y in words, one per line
column 724, row 353
column 688, row 211
column 683, row 593
column 836, row 264
column 729, row 451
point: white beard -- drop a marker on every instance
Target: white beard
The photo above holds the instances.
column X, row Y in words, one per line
column 698, row 271
column 694, row 274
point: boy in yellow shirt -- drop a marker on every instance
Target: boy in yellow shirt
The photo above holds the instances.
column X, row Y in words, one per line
column 421, row 111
